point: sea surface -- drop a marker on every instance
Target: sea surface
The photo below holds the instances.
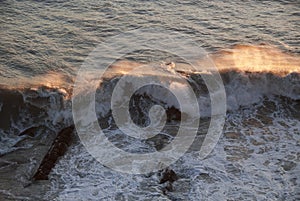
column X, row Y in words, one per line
column 253, row 44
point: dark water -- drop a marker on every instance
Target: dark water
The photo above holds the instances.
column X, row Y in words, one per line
column 255, row 43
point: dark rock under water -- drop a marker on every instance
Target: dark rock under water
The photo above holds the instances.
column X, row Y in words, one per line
column 57, row 149
column 168, row 176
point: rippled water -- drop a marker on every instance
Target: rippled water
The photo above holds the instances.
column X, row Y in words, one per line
column 42, row 36
column 43, row 44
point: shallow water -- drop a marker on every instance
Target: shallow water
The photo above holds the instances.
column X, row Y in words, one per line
column 257, row 158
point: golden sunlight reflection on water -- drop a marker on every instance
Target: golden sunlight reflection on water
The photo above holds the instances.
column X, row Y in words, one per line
column 261, row 58
column 244, row 58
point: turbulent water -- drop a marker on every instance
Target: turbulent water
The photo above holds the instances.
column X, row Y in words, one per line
column 255, row 46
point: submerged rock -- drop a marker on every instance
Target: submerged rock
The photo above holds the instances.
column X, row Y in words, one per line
column 168, row 176
column 58, row 148
column 29, row 131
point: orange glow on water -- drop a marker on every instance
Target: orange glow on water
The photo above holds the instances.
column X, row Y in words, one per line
column 261, row 58
column 246, row 58
column 121, row 67
column 52, row 80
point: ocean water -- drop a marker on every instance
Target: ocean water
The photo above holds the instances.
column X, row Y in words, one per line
column 253, row 44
